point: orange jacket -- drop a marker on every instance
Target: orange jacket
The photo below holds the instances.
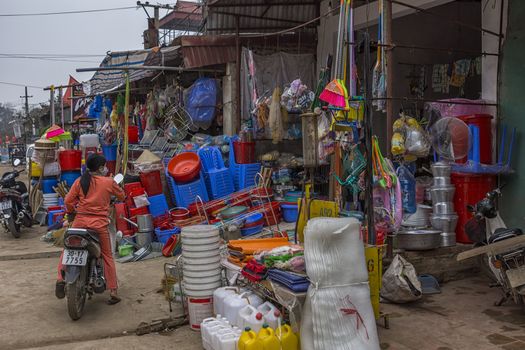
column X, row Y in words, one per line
column 98, row 198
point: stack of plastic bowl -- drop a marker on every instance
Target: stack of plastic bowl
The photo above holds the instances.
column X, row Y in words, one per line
column 444, row 217
column 201, row 270
column 50, row 200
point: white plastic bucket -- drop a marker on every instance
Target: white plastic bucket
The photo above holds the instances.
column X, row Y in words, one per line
column 212, row 260
column 202, row 280
column 198, row 255
column 200, row 241
column 199, row 309
column 199, row 274
column 201, row 247
column 200, row 267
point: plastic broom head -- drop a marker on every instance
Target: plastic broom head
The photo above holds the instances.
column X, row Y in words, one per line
column 334, row 94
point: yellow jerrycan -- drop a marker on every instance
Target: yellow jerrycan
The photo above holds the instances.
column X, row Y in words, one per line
column 249, row 340
column 289, row 340
column 268, row 339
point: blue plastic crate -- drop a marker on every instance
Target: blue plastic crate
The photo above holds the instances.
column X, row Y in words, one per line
column 158, row 205
column 186, row 194
column 243, row 175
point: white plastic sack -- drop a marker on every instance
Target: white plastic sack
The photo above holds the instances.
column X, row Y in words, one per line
column 400, row 283
column 338, row 313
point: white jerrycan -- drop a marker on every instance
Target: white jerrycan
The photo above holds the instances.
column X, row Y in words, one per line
column 271, row 314
column 232, row 304
column 219, row 295
column 249, row 317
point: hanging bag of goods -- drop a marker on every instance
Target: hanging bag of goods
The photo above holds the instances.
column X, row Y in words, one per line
column 388, row 205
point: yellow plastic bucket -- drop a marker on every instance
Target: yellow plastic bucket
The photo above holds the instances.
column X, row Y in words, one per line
column 36, row 170
column 374, row 264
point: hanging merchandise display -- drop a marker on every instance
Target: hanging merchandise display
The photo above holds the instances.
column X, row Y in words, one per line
column 379, row 72
column 409, row 139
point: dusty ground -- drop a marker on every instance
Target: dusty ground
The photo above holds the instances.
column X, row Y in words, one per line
column 462, row 317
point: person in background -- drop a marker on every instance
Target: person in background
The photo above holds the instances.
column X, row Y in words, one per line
column 90, row 198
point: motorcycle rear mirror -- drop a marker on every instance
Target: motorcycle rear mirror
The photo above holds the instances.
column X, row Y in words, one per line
column 16, row 162
column 118, row 178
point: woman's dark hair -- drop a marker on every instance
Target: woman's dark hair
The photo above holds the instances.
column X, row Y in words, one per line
column 94, row 162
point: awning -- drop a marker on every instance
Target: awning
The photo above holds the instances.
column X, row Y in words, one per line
column 105, row 81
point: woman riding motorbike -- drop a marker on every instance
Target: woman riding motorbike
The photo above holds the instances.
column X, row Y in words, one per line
column 90, row 198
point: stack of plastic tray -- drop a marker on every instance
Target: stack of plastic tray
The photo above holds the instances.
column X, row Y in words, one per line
column 158, row 205
column 243, row 174
column 217, row 177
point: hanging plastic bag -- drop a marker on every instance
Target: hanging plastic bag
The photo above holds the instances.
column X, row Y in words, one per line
column 201, row 102
column 400, row 283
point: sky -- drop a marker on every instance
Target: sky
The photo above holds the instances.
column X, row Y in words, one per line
column 70, row 34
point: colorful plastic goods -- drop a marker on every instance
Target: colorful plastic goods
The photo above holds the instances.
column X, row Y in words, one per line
column 152, row 182
column 268, row 338
column 184, row 167
column 244, row 152
column 249, row 341
column 289, row 340
column 70, row 160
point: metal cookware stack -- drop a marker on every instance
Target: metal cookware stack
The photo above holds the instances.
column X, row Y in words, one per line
column 444, row 217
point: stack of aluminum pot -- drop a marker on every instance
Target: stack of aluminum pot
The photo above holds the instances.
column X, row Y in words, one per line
column 444, row 217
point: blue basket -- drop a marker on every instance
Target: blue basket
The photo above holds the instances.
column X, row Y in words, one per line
column 48, row 184
column 164, row 235
column 52, row 219
column 110, row 152
column 158, row 205
column 290, row 212
column 251, row 230
column 69, row 177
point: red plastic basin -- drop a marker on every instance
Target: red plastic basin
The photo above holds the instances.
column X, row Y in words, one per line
column 70, row 160
column 184, row 167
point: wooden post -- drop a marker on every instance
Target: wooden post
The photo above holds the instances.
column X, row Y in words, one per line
column 389, row 71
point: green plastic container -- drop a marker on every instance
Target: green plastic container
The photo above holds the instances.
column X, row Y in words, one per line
column 125, row 250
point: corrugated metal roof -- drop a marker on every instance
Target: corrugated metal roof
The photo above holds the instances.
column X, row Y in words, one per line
column 186, row 16
column 256, row 16
column 207, row 50
column 104, row 81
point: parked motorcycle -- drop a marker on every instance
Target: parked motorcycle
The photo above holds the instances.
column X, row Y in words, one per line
column 507, row 268
column 14, row 202
column 83, row 267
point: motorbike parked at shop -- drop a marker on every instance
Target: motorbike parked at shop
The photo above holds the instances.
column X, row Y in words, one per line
column 83, row 267
column 14, row 202
column 507, row 268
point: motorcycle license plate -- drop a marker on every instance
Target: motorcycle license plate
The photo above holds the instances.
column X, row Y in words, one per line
column 5, row 205
column 74, row 257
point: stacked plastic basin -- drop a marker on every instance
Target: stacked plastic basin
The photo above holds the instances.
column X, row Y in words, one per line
column 70, row 164
column 201, row 270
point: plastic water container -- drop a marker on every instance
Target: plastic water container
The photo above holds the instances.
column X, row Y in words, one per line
column 408, row 189
column 207, row 325
column 228, row 342
column 233, row 304
column 271, row 314
column 268, row 338
column 89, row 141
column 249, row 341
column 250, row 317
column 289, row 340
column 219, row 295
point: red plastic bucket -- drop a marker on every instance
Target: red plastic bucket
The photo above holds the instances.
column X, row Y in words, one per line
column 151, row 182
column 133, row 134
column 244, row 152
column 484, row 123
column 70, row 160
column 470, row 189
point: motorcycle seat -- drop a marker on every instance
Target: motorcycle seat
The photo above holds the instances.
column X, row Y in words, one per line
column 82, row 232
column 504, row 233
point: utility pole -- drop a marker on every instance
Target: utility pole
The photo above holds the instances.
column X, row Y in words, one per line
column 27, row 97
column 156, row 14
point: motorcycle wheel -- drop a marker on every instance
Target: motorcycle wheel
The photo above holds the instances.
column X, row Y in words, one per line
column 27, row 221
column 13, row 227
column 76, row 296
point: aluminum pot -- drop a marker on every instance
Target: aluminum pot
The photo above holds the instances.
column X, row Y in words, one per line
column 440, row 181
column 442, row 193
column 424, row 239
column 448, row 239
column 444, row 223
column 145, row 222
column 144, row 238
column 443, row 208
column 440, row 169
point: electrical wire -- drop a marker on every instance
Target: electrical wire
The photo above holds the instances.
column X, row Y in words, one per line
column 65, row 12
column 23, row 85
column 47, row 59
column 51, row 55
